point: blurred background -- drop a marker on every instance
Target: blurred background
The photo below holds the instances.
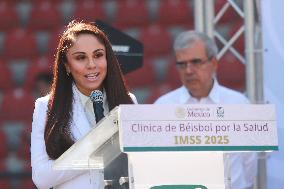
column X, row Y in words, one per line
column 29, row 33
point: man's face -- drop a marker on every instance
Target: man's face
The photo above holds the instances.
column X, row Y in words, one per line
column 195, row 69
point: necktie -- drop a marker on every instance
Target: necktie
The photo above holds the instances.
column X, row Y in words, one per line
column 97, row 99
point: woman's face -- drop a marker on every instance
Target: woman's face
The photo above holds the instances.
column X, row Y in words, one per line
column 86, row 62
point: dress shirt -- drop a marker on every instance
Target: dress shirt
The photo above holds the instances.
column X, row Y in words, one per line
column 89, row 108
column 217, row 95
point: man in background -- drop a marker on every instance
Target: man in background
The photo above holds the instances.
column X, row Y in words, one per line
column 196, row 64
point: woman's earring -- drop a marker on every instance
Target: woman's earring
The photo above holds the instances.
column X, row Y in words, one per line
column 68, row 74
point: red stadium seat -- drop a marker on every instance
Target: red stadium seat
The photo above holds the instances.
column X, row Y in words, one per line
column 6, row 82
column 157, row 40
column 142, row 77
column 51, row 1
column 89, row 10
column 6, row 184
column 131, row 13
column 27, row 129
column 39, row 65
column 27, row 184
column 44, row 16
column 8, row 16
column 24, row 151
column 231, row 73
column 17, row 105
column 3, row 145
column 175, row 12
column 54, row 40
column 27, row 166
column 3, row 167
column 20, row 44
column 172, row 76
column 158, row 91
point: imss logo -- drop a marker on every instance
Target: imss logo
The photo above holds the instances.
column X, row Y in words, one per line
column 220, row 112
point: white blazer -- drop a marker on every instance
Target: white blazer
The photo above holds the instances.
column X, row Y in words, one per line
column 43, row 175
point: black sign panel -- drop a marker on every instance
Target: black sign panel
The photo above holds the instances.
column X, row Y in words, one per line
column 128, row 50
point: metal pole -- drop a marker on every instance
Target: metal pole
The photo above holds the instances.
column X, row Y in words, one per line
column 262, row 170
column 198, row 15
column 249, row 51
column 254, row 78
column 262, row 175
column 258, row 55
column 209, row 17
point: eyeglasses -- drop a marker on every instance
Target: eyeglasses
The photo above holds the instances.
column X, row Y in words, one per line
column 194, row 62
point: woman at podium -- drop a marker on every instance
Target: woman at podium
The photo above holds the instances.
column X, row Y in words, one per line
column 84, row 66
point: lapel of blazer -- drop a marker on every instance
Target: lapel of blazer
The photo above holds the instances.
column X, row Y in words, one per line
column 80, row 124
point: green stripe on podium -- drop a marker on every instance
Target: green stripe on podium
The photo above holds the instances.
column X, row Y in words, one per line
column 201, row 148
column 179, row 187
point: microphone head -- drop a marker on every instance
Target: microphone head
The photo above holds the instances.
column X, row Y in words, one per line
column 97, row 96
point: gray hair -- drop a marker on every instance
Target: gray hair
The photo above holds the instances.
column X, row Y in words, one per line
column 187, row 38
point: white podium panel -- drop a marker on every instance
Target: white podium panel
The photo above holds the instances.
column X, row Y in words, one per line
column 206, row 127
column 151, row 169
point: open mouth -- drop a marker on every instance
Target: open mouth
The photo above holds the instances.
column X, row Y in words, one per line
column 92, row 76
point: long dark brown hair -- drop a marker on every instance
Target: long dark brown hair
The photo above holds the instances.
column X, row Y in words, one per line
column 57, row 134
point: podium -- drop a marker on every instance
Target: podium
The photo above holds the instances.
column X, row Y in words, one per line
column 172, row 146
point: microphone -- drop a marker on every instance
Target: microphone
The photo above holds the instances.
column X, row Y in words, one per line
column 97, row 99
